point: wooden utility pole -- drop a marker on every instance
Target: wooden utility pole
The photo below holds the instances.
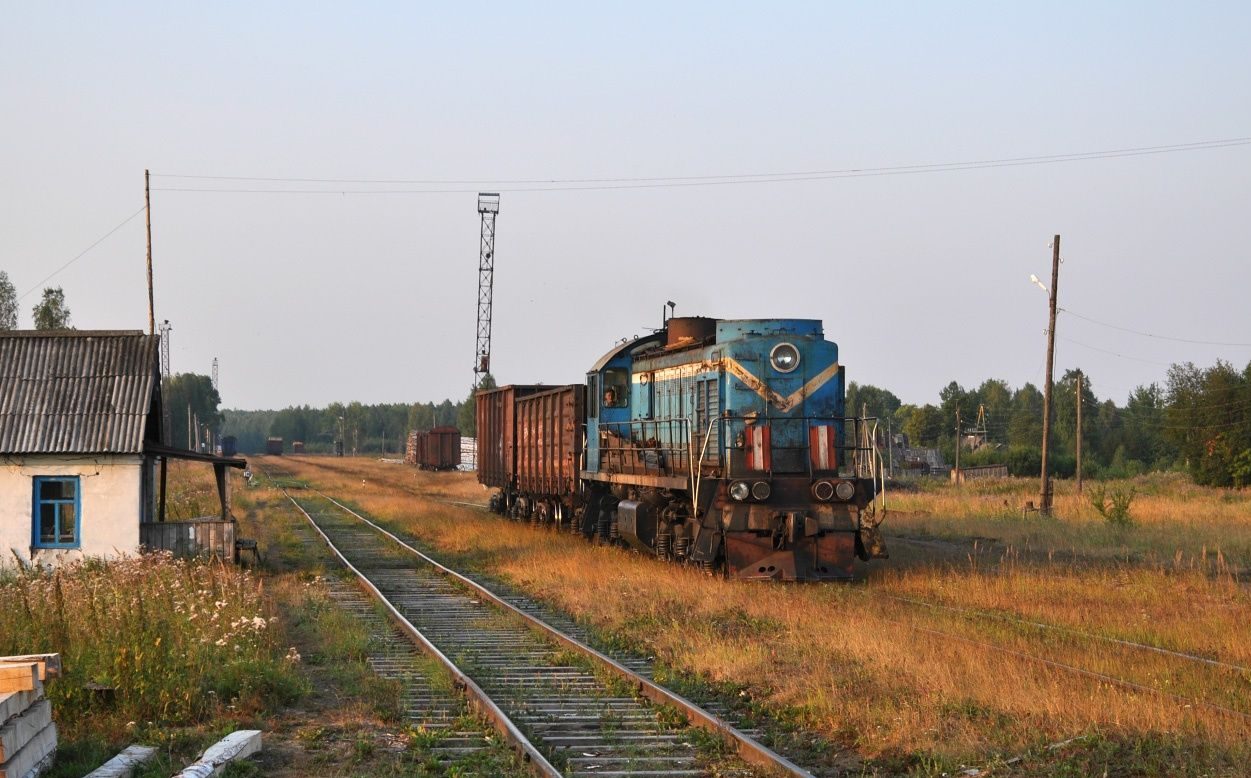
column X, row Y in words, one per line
column 957, row 445
column 1044, row 499
column 147, row 206
column 1079, row 433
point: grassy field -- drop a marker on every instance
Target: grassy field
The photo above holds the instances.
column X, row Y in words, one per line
column 1170, row 521
column 993, row 637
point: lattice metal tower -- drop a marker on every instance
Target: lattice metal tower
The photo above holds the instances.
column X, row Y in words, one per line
column 488, row 208
column 216, row 386
column 165, row 330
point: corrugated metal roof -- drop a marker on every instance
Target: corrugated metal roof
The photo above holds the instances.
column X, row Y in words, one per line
column 76, row 391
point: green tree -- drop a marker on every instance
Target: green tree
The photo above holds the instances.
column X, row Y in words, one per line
column 421, row 416
column 1209, row 419
column 878, row 403
column 467, row 413
column 8, row 303
column 996, row 397
column 51, row 313
column 188, row 390
column 926, row 426
column 1144, row 422
column 1025, row 426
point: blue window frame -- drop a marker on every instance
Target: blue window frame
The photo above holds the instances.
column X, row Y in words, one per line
column 57, row 514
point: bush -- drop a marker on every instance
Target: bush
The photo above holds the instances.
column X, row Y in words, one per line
column 1113, row 507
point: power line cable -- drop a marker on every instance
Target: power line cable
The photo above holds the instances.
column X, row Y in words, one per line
column 83, row 253
column 656, row 182
column 1152, row 335
column 1113, row 353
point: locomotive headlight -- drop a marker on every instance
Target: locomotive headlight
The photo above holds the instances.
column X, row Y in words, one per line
column 761, row 490
column 844, row 490
column 739, row 490
column 823, row 491
column 784, row 357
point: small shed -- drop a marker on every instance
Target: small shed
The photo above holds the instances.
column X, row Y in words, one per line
column 82, row 463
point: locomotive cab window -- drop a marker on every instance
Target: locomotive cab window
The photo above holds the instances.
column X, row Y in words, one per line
column 616, row 388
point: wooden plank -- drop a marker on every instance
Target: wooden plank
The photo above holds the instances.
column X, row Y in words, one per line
column 13, row 703
column 124, row 764
column 19, row 677
column 20, row 730
column 32, row 756
column 237, row 745
column 49, row 664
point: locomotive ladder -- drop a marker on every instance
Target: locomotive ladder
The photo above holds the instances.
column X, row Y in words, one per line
column 553, row 697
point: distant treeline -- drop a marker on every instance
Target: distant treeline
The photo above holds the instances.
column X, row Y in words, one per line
column 372, row 429
column 1199, row 422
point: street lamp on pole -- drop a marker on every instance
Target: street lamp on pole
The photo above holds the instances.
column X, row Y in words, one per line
column 1044, row 497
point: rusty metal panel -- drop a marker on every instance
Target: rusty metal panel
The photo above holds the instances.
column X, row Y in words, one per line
column 496, row 422
column 442, row 448
column 549, row 440
column 81, row 391
column 751, row 555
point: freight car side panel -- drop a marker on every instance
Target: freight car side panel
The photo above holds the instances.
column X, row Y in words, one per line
column 549, row 440
column 442, row 448
column 497, row 431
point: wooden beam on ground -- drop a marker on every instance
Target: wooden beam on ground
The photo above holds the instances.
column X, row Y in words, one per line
column 19, row 677
column 13, row 703
column 237, row 745
column 124, row 764
column 33, row 756
column 49, row 664
column 21, row 729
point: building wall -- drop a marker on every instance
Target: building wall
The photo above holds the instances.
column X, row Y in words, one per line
column 110, row 498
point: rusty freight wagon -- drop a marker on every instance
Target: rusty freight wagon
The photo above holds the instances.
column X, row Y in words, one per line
column 441, row 450
column 530, row 444
column 436, row 449
column 273, row 446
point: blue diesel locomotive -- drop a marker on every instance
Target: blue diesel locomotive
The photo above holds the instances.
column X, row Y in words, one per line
column 722, row 443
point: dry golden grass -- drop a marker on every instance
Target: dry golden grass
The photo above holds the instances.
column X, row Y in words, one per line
column 1174, row 522
column 927, row 656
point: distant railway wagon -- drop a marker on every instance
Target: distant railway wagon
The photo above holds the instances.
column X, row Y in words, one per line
column 230, row 446
column 273, row 446
column 719, row 442
column 297, row 447
column 436, row 449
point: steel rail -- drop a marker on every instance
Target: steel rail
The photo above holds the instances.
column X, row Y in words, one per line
column 530, row 753
column 749, row 750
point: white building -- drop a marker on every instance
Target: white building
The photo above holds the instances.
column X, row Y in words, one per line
column 81, row 446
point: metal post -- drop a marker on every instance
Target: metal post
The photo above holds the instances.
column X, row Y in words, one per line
column 147, row 206
column 1044, row 499
column 1079, row 433
column 890, row 448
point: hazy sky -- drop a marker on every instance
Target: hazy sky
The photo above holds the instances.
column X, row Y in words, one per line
column 920, row 278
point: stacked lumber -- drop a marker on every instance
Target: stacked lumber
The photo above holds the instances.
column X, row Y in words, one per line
column 27, row 734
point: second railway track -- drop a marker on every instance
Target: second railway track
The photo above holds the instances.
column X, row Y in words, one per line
column 568, row 708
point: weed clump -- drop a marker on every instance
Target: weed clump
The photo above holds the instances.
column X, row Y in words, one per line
column 148, row 639
column 1113, row 505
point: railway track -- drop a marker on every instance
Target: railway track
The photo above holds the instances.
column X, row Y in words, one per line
column 568, row 709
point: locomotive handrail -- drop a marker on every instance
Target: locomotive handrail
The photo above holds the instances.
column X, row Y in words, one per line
column 667, row 445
